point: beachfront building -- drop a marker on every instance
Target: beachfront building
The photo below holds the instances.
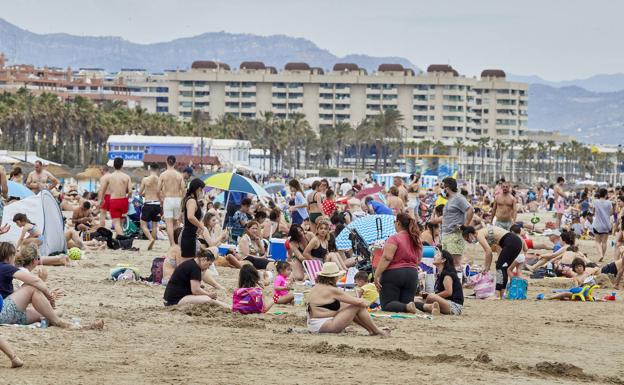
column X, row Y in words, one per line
column 136, row 150
column 91, row 83
column 436, row 105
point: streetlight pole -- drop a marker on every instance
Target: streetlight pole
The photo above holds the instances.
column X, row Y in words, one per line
column 27, row 142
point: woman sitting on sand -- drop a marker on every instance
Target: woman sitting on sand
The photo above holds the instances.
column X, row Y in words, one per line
column 251, row 246
column 298, row 240
column 213, row 237
column 184, row 287
column 331, row 310
column 449, row 295
column 318, row 247
column 16, row 309
column 615, row 268
column 396, row 276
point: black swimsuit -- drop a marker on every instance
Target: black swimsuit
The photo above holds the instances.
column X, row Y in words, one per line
column 188, row 239
column 333, row 306
column 319, row 253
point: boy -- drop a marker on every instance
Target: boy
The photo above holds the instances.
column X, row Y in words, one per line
column 366, row 290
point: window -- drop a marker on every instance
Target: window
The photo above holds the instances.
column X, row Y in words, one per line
column 342, row 86
column 453, row 98
column 339, row 106
column 232, row 104
column 421, row 87
column 162, row 109
column 248, row 94
column 202, row 104
column 389, row 97
column 506, row 122
column 343, row 96
column 420, row 97
column 279, row 95
column 388, row 86
column 186, row 114
column 201, row 84
column 279, row 105
column 186, row 83
column 294, row 106
column 502, row 92
column 186, row 104
column 295, row 85
column 420, row 108
column 420, row 128
column 186, row 94
column 326, row 106
column 294, row 95
column 373, row 97
column 233, row 84
column 248, row 105
column 162, row 99
column 374, row 86
column 162, row 89
column 373, row 107
column 324, row 96
column 453, row 108
column 248, row 84
column 201, row 94
column 420, row 118
column 448, row 118
column 231, row 94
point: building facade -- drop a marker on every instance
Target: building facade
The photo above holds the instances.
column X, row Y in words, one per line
column 437, row 104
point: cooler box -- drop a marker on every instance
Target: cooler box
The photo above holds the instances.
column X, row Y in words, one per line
column 224, row 248
column 277, row 249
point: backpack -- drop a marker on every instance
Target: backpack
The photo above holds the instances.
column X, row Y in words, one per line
column 157, row 270
column 247, row 300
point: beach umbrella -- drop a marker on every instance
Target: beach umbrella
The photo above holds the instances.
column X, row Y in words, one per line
column 274, row 188
column 371, row 228
column 229, row 181
column 19, row 190
column 368, row 191
column 90, row 173
column 310, row 180
column 58, row 171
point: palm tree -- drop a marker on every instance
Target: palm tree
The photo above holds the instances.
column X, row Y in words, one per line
column 459, row 146
column 483, row 142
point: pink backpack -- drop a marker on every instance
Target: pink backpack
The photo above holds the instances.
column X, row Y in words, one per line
column 247, row 300
column 483, row 285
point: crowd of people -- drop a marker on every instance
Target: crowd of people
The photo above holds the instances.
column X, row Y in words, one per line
column 202, row 234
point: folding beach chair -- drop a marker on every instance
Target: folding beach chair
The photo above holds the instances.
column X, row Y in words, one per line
column 312, row 267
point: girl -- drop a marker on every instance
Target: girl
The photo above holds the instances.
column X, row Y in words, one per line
column 582, row 276
column 30, row 233
column 283, row 284
column 449, row 296
column 248, row 298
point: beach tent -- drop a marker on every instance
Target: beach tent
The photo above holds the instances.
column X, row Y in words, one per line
column 42, row 210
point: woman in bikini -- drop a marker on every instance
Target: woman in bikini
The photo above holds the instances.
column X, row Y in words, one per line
column 331, row 310
column 213, row 236
column 315, row 204
column 298, row 240
column 318, row 247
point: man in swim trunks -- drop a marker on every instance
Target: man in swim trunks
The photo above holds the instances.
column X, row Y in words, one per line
column 151, row 205
column 560, row 199
column 120, row 187
column 40, row 179
column 505, row 207
column 171, row 188
column 105, row 206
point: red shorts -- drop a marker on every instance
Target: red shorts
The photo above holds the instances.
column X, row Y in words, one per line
column 529, row 243
column 106, row 203
column 118, row 208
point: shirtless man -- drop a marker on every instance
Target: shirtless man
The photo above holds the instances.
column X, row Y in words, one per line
column 398, row 182
column 560, row 198
column 171, row 188
column 40, row 179
column 505, row 208
column 151, row 205
column 82, row 217
column 105, row 206
column 120, row 188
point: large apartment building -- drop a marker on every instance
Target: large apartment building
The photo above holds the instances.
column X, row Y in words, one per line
column 436, row 104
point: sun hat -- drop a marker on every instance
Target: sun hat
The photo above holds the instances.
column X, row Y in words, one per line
column 354, row 202
column 330, row 269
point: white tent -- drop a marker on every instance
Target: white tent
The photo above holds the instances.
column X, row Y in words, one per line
column 42, row 210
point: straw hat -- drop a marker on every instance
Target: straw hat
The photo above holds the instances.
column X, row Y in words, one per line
column 354, row 202
column 330, row 269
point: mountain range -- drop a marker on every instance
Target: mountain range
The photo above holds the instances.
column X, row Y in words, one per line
column 590, row 109
column 113, row 53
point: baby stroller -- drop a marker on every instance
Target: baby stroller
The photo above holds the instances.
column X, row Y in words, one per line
column 361, row 252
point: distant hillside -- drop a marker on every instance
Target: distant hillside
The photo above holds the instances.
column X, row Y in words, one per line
column 114, row 53
column 592, row 117
column 596, row 83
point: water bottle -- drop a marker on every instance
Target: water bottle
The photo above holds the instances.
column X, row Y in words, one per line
column 549, row 269
column 43, row 323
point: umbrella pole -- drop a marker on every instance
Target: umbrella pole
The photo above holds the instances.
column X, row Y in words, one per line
column 227, row 201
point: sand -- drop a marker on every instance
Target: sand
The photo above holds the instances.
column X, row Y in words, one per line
column 494, row 342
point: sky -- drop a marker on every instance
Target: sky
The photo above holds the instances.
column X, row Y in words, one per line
column 554, row 39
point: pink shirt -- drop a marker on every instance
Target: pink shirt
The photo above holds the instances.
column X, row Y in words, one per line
column 280, row 281
column 406, row 255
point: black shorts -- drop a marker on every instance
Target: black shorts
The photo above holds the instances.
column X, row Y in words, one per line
column 611, row 268
column 150, row 212
column 257, row 262
column 596, row 232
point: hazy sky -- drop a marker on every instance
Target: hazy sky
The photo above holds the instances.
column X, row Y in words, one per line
column 555, row 39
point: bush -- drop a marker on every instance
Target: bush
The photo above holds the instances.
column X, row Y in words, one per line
column 329, row 172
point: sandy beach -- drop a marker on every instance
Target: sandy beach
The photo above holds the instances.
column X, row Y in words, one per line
column 495, row 342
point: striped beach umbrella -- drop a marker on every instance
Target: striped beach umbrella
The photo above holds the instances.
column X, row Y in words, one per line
column 230, row 181
column 371, row 228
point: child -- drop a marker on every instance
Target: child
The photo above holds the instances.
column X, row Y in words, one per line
column 518, row 263
column 282, row 285
column 34, row 235
column 449, row 297
column 248, row 298
column 583, row 276
column 366, row 290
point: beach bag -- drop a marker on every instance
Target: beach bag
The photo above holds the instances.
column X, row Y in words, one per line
column 517, row 288
column 125, row 242
column 124, row 272
column 156, row 270
column 483, row 285
column 247, row 300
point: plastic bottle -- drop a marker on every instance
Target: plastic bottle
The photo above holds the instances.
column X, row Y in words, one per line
column 43, row 323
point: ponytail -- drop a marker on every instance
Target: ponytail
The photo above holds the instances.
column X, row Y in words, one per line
column 467, row 230
column 409, row 224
